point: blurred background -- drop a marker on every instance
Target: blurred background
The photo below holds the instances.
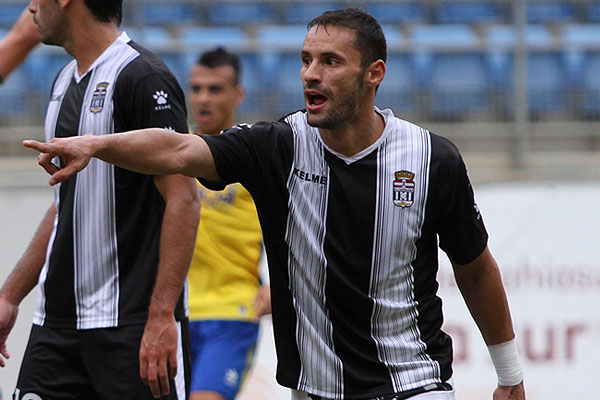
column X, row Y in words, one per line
column 514, row 83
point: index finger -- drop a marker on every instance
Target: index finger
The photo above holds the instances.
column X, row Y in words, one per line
column 39, row 146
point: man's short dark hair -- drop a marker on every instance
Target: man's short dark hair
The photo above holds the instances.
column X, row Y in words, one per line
column 369, row 35
column 220, row 57
column 106, row 10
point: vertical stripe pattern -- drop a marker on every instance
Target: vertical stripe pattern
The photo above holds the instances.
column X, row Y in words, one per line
column 305, row 233
column 95, row 258
column 388, row 334
column 394, row 319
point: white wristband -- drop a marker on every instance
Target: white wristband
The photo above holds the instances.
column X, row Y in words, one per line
column 506, row 361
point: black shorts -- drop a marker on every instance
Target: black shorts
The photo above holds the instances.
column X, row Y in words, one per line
column 94, row 364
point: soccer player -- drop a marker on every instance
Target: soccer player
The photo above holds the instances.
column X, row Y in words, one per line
column 17, row 43
column 225, row 295
column 111, row 256
column 353, row 202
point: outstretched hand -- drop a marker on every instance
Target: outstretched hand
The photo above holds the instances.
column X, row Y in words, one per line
column 75, row 152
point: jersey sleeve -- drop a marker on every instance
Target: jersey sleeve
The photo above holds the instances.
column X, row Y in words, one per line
column 149, row 100
column 462, row 233
column 251, row 154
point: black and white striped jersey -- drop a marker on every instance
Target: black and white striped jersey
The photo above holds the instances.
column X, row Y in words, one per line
column 352, row 250
column 102, row 256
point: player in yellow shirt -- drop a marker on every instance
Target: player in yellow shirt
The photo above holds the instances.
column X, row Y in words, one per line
column 226, row 298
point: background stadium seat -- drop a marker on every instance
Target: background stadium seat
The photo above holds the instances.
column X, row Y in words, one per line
column 167, row 13
column 458, row 85
column 240, row 13
column 300, row 12
column 9, row 12
column 398, row 89
column 194, row 38
column 457, row 36
column 546, row 82
column 592, row 12
column 591, row 85
column 550, row 11
column 271, row 38
column 468, row 12
column 389, row 12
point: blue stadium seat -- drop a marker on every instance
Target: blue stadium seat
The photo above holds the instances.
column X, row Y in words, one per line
column 208, row 37
column 41, row 67
column 468, row 12
column 577, row 38
column 14, row 95
column 9, row 13
column 168, row 13
column 581, row 35
column 394, row 12
column 546, row 82
column 550, row 11
column 394, row 36
column 592, row 12
column 289, row 91
column 253, row 81
column 155, row 37
column 504, row 37
column 457, row 36
column 458, row 84
column 398, row 89
column 303, row 12
column 273, row 37
column 240, row 13
column 591, row 84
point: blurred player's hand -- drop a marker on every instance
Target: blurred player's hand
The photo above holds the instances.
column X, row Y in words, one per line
column 8, row 316
column 262, row 301
column 158, row 352
column 75, row 152
column 510, row 392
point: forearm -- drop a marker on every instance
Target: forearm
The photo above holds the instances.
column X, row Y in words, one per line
column 178, row 235
column 17, row 43
column 154, row 151
column 26, row 273
column 483, row 292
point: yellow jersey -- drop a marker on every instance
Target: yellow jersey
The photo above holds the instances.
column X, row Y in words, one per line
column 223, row 277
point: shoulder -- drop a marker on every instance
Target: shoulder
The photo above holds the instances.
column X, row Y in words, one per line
column 443, row 149
column 147, row 64
column 261, row 128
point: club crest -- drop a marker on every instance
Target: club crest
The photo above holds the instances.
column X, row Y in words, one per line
column 98, row 97
column 404, row 188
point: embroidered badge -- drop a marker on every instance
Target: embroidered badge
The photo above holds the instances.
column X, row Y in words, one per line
column 404, row 188
column 98, row 97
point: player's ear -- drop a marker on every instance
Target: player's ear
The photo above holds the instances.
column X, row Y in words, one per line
column 240, row 94
column 374, row 73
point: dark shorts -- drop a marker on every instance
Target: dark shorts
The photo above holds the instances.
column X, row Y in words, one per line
column 94, row 364
column 222, row 353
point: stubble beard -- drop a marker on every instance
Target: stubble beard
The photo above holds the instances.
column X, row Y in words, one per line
column 345, row 112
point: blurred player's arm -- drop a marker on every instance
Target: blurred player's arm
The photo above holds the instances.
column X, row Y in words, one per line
column 151, row 151
column 481, row 287
column 17, row 43
column 23, row 279
column 177, row 240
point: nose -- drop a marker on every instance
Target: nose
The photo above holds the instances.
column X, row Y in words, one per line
column 32, row 7
column 311, row 72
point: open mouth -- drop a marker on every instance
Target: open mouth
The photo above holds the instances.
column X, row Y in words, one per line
column 315, row 99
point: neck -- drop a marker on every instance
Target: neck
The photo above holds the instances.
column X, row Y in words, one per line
column 355, row 136
column 89, row 40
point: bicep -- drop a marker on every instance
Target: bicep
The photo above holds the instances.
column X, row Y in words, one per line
column 196, row 159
